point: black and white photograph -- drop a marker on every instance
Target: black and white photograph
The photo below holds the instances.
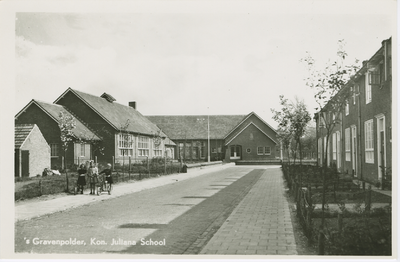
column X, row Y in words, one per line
column 199, row 130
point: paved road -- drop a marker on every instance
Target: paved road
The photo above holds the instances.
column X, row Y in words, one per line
column 238, row 210
column 136, row 216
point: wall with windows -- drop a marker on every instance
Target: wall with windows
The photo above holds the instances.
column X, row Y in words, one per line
column 50, row 130
column 197, row 150
column 366, row 128
column 252, row 144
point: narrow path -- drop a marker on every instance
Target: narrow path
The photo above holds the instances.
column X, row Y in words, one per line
column 260, row 224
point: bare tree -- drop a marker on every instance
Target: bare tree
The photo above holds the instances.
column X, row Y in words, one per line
column 331, row 96
column 66, row 124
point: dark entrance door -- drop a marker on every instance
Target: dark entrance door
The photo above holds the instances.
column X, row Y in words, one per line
column 25, row 163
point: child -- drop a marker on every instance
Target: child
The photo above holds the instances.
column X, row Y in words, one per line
column 81, row 179
column 107, row 174
column 92, row 174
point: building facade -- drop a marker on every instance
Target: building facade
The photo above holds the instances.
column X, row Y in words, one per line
column 47, row 117
column 125, row 133
column 222, row 137
column 32, row 153
column 361, row 142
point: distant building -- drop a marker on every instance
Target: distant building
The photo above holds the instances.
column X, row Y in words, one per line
column 361, row 143
column 232, row 137
column 32, row 153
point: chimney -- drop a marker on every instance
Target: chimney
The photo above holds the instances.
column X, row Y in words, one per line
column 132, row 104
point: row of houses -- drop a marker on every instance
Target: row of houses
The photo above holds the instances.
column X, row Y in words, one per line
column 107, row 131
column 361, row 141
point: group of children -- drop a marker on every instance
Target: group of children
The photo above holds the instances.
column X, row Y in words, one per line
column 91, row 171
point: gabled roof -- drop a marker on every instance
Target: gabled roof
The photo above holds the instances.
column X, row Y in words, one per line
column 251, row 123
column 247, row 117
column 21, row 134
column 181, row 127
column 117, row 115
column 53, row 111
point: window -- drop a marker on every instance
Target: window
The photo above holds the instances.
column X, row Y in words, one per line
column 347, row 108
column 125, row 144
column 248, row 150
column 54, row 150
column 369, row 141
column 338, row 149
column 260, row 150
column 143, row 146
column 334, row 146
column 368, row 97
column 157, row 152
column 82, row 149
column 235, row 151
column 347, row 144
column 267, row 150
column 202, row 150
column 157, row 148
column 320, row 150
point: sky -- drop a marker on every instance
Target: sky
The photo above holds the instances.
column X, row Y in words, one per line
column 191, row 57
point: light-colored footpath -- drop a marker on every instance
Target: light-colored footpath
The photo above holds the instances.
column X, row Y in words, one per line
column 29, row 210
column 260, row 224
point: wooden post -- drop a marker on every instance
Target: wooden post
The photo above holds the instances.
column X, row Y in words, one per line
column 148, row 166
column 129, row 168
column 95, row 159
column 368, row 199
column 113, row 162
column 309, row 215
column 340, row 222
column 40, row 186
column 165, row 164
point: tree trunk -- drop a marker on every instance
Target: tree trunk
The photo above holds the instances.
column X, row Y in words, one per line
column 66, row 173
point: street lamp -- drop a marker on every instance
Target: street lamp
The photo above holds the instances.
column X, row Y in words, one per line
column 208, row 134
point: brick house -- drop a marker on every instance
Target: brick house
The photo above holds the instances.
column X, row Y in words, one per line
column 229, row 135
column 253, row 139
column 361, row 143
column 46, row 117
column 125, row 132
column 32, row 153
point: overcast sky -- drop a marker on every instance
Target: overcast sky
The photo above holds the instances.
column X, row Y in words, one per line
column 187, row 57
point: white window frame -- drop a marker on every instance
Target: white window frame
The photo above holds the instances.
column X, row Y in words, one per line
column 260, row 150
column 338, row 149
column 320, row 153
column 369, row 141
column 157, row 151
column 334, row 144
column 143, row 146
column 125, row 144
column 368, row 89
column 347, row 144
column 54, row 150
column 83, row 150
column 267, row 152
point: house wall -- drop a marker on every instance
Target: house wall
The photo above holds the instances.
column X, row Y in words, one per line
column 49, row 129
column 95, row 122
column 254, row 119
column 360, row 112
column 81, row 156
column 190, row 150
column 250, row 139
column 39, row 152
